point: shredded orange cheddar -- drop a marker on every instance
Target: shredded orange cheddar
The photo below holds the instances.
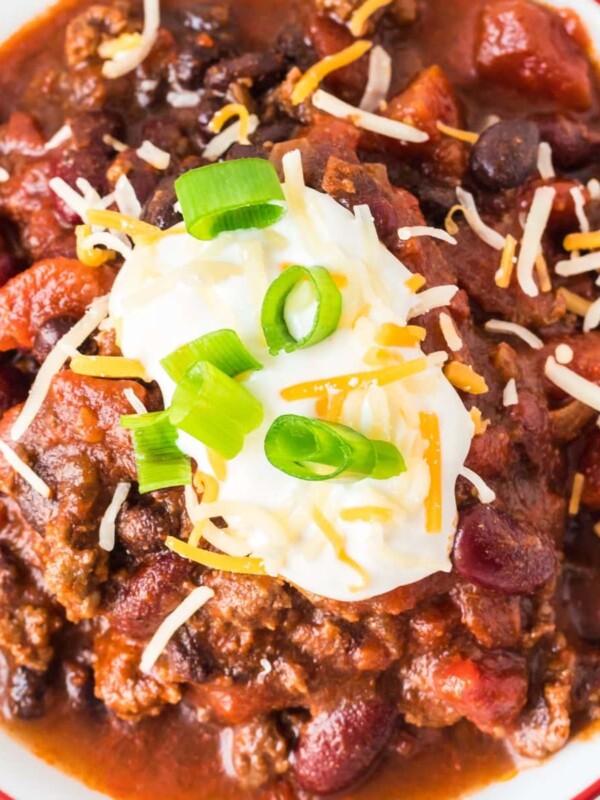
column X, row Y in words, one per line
column 315, row 74
column 481, row 425
column 430, row 431
column 449, row 224
column 582, row 241
column 358, row 380
column 341, row 281
column 120, row 222
column 108, row 367
column 207, row 486
column 367, row 514
column 576, row 492
column 463, row 377
column 218, row 464
column 358, row 20
column 226, row 113
column 241, row 565
column 541, row 268
column 576, row 304
column 415, row 282
column 91, row 256
column 507, row 263
column 337, row 542
column 122, row 44
column 456, row 133
column 392, row 335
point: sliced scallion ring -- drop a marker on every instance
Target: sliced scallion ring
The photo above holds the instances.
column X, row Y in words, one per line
column 229, row 196
column 215, row 409
column 224, row 349
column 160, row 463
column 314, row 450
column 327, row 313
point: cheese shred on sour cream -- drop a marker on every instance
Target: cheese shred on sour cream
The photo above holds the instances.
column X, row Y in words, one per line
column 174, row 289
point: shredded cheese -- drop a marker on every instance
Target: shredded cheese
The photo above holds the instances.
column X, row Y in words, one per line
column 579, row 201
column 120, row 222
column 112, row 244
column 501, row 326
column 358, row 21
column 113, row 47
column 60, row 137
column 541, row 268
column 171, row 624
column 90, row 256
column 25, row 471
column 4, row 175
column 358, row 380
column 592, row 317
column 134, row 401
column 407, row 233
column 228, row 112
column 437, row 297
column 126, row 198
column 477, row 225
column 232, row 134
column 593, row 187
column 450, row 333
column 153, row 155
column 582, row 241
column 531, row 244
column 573, row 384
column 503, row 276
column 109, row 367
column 319, row 71
column 117, row 146
column 575, row 303
column 469, row 137
column 544, row 162
column 385, row 126
column 218, row 464
column 127, row 59
column 564, row 354
column 106, row 537
column 336, row 540
column 430, row 432
column 225, row 563
column 392, row 335
column 378, row 81
column 55, row 360
column 510, row 396
column 367, row 514
column 480, row 425
column 485, row 494
column 577, row 266
column 463, row 377
column 576, row 492
column 415, row 283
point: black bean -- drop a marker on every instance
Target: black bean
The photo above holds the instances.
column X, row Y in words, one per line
column 506, row 154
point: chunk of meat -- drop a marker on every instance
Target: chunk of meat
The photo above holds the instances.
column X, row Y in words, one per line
column 48, row 289
column 523, row 45
column 338, row 746
column 14, row 387
column 259, row 753
column 147, row 596
column 262, row 69
column 247, row 599
column 143, row 525
column 88, row 30
column 589, row 465
column 130, row 694
column 494, row 620
column 27, row 694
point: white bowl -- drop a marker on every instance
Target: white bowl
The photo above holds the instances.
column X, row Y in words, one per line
column 572, row 774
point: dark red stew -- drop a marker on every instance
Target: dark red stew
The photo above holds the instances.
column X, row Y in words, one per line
column 417, row 693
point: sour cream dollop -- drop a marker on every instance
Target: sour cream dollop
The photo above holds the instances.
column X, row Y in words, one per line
column 178, row 288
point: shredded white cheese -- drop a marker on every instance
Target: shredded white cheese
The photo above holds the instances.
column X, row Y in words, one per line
column 54, row 362
column 450, row 333
column 407, row 233
column 61, row 136
column 573, row 384
column 169, row 627
column 117, row 146
column 378, row 82
column 128, row 60
column 510, row 396
column 80, row 203
column 437, row 297
column 501, row 326
column 579, row 264
column 564, row 354
column 134, row 401
column 531, row 244
column 593, row 187
column 366, row 120
column 106, row 536
column 178, row 97
column 486, row 495
column 477, row 225
column 126, row 198
column 24, row 470
column 544, row 161
column 267, row 668
column 592, row 317
column 4, row 175
column 108, row 240
column 579, row 200
column 228, row 137
column 153, row 155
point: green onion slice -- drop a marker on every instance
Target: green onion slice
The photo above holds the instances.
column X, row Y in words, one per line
column 215, row 409
column 224, row 349
column 232, row 195
column 314, row 450
column 160, row 463
column 327, row 314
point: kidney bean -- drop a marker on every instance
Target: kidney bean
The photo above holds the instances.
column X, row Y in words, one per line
column 155, row 588
column 571, row 140
column 506, row 154
column 497, row 552
column 337, row 748
column 14, row 387
column 48, row 335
